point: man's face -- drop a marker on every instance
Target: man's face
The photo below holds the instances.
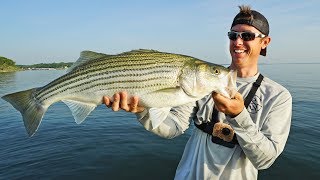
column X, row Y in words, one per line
column 246, row 53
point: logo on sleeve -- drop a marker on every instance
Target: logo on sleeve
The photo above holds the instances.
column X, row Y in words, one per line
column 255, row 105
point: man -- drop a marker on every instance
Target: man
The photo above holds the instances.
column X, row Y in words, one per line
column 245, row 135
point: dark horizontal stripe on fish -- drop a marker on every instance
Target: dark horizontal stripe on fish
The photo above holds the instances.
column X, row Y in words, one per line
column 73, row 74
column 127, row 60
column 95, row 84
column 141, row 56
column 85, row 70
column 130, row 67
column 125, row 87
column 140, row 72
column 132, row 58
column 138, row 58
column 61, row 82
column 46, row 94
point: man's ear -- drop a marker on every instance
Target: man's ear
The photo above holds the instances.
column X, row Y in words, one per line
column 265, row 42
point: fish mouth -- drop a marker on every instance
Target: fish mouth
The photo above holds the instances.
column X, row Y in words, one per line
column 228, row 84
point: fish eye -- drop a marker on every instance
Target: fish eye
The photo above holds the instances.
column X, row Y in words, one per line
column 216, row 71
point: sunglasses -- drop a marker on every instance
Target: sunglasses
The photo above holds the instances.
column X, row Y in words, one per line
column 246, row 36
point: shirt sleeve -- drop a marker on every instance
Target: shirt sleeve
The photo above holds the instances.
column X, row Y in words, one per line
column 175, row 123
column 262, row 146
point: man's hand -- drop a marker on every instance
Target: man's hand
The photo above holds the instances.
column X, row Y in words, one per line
column 231, row 107
column 120, row 101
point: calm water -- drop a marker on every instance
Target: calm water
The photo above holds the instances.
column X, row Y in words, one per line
column 112, row 145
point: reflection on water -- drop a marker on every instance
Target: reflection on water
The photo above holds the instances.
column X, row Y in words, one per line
column 22, row 80
column 7, row 81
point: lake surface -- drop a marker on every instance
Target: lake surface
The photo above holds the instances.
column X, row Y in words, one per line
column 111, row 145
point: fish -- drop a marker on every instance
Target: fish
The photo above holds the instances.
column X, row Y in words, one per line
column 161, row 80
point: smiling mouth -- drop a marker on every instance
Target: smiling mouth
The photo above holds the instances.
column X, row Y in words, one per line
column 239, row 51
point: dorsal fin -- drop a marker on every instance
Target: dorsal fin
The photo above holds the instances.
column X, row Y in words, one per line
column 86, row 56
column 138, row 51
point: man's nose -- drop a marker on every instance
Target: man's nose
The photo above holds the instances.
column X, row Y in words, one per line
column 238, row 41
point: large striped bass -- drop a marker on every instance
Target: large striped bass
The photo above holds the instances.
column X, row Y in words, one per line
column 160, row 80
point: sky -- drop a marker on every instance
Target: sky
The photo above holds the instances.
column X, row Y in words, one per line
column 45, row 31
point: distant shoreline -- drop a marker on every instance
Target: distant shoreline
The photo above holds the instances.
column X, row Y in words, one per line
column 29, row 69
column 49, row 66
column 37, row 69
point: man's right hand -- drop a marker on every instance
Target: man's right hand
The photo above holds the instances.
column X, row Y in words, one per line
column 120, row 101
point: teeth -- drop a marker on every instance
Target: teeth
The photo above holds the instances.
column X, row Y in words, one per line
column 239, row 51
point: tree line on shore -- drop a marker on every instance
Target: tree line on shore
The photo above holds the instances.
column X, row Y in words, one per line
column 5, row 61
column 47, row 65
column 9, row 65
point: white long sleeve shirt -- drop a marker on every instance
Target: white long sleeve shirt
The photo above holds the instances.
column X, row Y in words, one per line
column 262, row 131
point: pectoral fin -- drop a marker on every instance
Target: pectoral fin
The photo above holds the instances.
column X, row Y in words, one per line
column 158, row 115
column 79, row 110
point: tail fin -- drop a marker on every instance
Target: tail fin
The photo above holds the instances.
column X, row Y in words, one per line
column 31, row 111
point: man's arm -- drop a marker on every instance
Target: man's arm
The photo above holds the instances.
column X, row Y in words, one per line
column 175, row 123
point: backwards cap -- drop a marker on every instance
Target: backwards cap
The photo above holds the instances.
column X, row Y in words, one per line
column 252, row 18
